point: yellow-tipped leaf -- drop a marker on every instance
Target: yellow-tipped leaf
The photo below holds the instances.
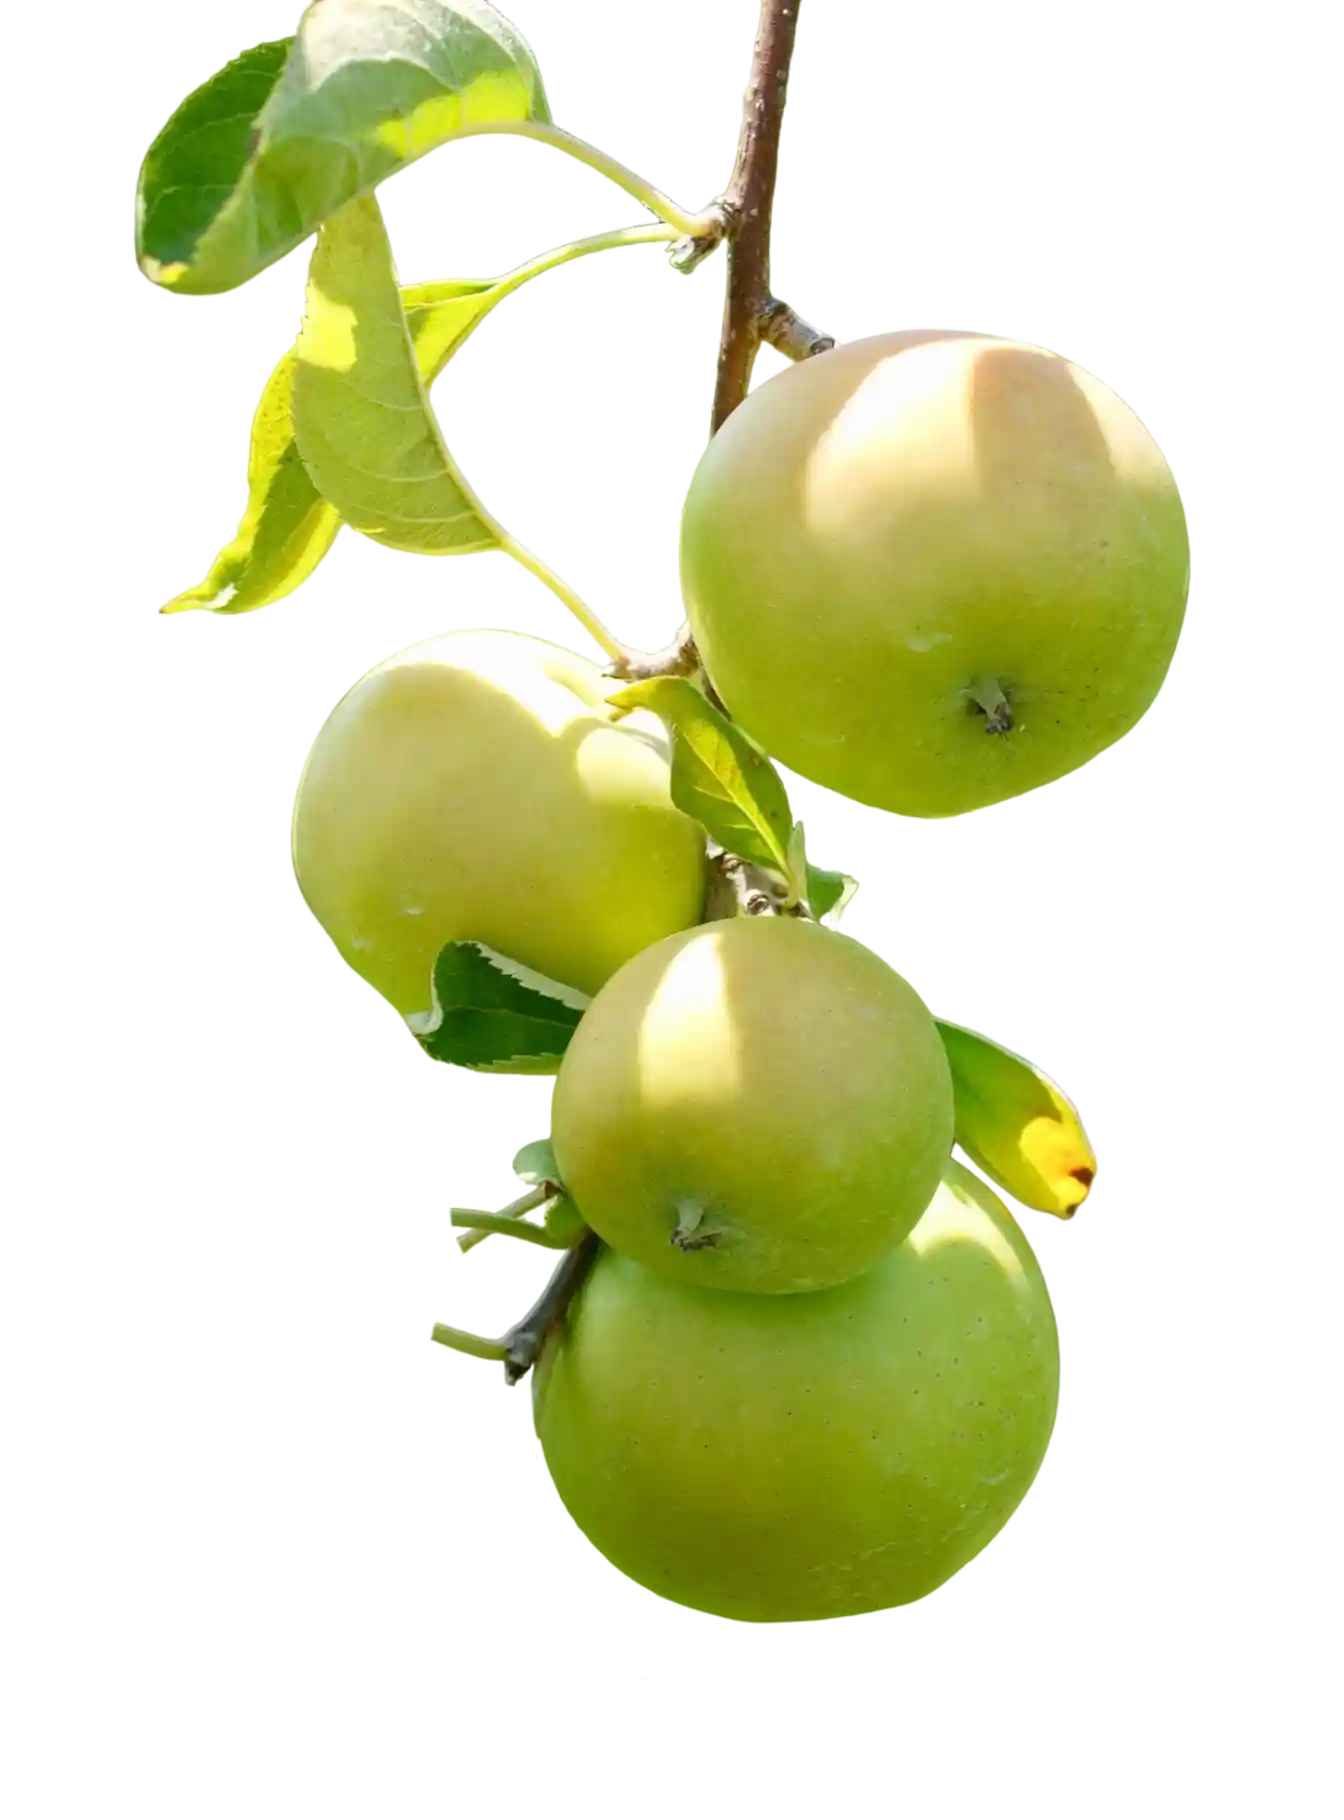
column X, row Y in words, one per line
column 1015, row 1124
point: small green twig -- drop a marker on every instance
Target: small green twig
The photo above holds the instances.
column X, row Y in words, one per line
column 471, row 1343
column 510, row 1225
column 525, row 1202
column 470, row 1227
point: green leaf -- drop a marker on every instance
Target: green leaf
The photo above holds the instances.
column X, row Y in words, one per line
column 535, row 1163
column 196, row 165
column 492, row 1013
column 828, row 893
column 719, row 776
column 286, row 134
column 288, row 527
column 441, row 315
column 362, row 417
column 796, row 857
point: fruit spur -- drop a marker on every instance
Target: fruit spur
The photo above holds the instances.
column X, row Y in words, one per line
column 796, row 1358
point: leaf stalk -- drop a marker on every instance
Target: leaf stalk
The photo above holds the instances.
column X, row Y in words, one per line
column 686, row 224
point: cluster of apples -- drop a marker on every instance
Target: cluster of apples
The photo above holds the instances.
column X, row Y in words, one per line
column 813, row 1367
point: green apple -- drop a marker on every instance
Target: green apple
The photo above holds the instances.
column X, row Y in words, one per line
column 932, row 570
column 477, row 788
column 786, row 1457
column 757, row 1104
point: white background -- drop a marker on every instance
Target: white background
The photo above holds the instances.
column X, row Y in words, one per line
column 268, row 1551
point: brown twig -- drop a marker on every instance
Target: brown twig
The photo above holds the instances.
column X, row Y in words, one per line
column 751, row 314
column 524, row 1341
column 680, row 658
column 747, row 205
column 785, row 330
column 737, row 888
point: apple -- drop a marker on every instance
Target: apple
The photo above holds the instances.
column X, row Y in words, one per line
column 808, row 1456
column 476, row 787
column 758, row 1104
column 932, row 570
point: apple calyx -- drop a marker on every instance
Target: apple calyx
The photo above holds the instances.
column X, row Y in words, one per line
column 690, row 1232
column 987, row 698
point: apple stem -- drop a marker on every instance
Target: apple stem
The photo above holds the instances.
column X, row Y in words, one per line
column 988, row 697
